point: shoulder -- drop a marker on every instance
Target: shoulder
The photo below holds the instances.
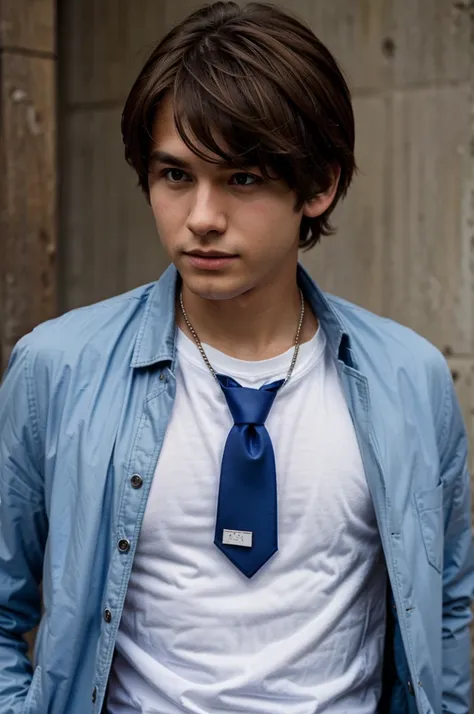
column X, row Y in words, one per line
column 385, row 338
column 404, row 359
column 86, row 331
column 64, row 359
column 80, row 326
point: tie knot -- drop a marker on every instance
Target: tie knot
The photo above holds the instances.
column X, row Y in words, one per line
column 248, row 406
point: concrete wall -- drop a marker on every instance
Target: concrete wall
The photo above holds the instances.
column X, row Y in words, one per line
column 107, row 238
column 27, row 169
column 406, row 230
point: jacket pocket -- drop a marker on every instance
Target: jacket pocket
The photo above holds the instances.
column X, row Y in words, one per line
column 33, row 692
column 430, row 512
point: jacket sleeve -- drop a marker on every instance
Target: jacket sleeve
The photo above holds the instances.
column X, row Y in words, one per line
column 23, row 526
column 458, row 572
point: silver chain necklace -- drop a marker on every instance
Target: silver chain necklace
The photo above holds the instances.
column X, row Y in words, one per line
column 204, row 355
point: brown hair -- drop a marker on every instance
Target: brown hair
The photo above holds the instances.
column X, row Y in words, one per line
column 260, row 81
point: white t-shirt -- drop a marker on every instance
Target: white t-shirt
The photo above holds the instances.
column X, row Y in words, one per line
column 305, row 634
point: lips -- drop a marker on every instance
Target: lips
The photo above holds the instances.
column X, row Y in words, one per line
column 210, row 254
column 210, row 260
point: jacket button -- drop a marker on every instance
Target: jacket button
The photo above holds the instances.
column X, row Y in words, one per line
column 107, row 615
column 94, row 694
column 410, row 688
column 124, row 545
column 136, row 481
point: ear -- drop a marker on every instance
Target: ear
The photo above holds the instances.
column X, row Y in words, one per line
column 317, row 205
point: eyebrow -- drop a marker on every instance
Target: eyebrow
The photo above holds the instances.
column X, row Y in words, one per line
column 162, row 157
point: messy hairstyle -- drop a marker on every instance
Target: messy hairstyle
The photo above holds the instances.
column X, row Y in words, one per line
column 253, row 86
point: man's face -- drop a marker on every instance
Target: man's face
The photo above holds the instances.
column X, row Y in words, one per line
column 227, row 230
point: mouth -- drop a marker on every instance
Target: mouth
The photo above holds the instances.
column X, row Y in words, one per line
column 209, row 259
column 210, row 254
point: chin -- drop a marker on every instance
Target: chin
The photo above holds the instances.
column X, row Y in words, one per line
column 214, row 287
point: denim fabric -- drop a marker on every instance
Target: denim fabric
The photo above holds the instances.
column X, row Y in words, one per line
column 84, row 407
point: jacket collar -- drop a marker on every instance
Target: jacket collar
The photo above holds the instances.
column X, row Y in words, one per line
column 331, row 322
column 156, row 334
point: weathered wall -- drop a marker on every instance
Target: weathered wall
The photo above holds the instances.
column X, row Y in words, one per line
column 27, row 168
column 406, row 229
column 107, row 239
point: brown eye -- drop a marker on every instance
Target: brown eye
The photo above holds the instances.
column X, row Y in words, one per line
column 174, row 175
column 244, row 179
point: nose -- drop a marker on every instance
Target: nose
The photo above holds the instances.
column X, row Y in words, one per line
column 207, row 214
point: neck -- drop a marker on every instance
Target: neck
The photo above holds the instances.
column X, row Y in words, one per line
column 257, row 325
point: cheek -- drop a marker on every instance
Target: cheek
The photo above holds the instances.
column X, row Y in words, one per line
column 156, row 205
column 273, row 222
column 166, row 212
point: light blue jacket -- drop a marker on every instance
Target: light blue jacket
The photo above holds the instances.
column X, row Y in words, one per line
column 84, row 407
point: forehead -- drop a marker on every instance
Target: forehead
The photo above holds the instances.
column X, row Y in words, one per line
column 165, row 136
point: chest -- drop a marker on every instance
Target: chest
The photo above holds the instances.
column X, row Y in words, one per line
column 321, row 481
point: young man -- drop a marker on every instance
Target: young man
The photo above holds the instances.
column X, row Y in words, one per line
column 240, row 494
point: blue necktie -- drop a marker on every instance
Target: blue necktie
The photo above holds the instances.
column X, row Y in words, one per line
column 246, row 523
